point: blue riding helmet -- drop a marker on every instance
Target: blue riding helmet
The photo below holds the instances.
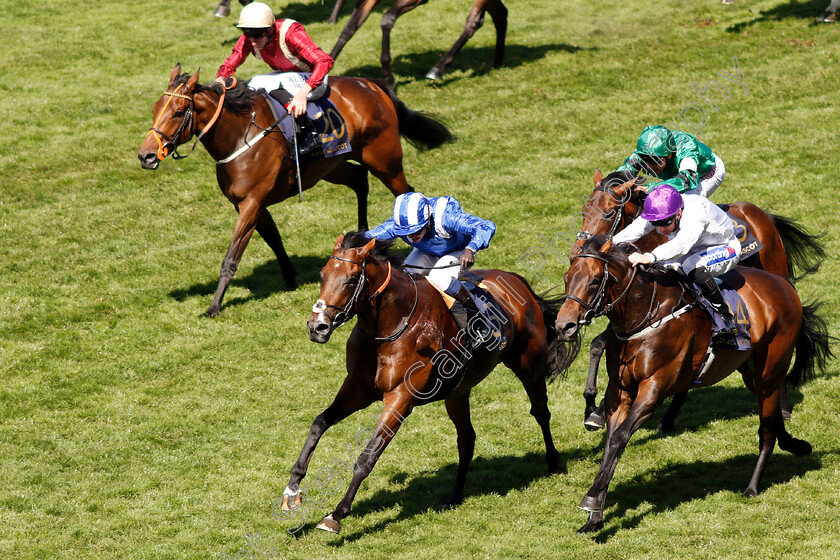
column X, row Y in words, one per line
column 411, row 213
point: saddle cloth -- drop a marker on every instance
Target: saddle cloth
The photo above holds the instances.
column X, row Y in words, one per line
column 741, row 339
column 328, row 122
column 750, row 245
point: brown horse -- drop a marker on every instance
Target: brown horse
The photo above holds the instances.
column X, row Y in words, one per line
column 475, row 20
column 660, row 362
column 264, row 172
column 616, row 202
column 406, row 350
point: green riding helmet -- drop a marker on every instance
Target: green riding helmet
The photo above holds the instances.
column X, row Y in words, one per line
column 653, row 141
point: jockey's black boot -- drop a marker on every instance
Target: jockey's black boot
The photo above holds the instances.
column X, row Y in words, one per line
column 309, row 141
column 711, row 292
column 479, row 331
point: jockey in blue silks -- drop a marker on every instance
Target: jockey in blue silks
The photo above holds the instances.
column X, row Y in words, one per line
column 445, row 240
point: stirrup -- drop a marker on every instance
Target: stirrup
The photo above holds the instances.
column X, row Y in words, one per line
column 729, row 327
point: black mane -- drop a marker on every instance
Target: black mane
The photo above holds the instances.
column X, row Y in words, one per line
column 381, row 250
column 238, row 100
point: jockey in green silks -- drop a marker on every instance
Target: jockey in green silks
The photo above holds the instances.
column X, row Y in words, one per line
column 677, row 159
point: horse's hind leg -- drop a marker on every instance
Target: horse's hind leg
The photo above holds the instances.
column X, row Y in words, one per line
column 268, row 231
column 354, row 176
column 458, row 409
column 666, row 424
column 336, row 10
column 531, row 370
column 350, row 398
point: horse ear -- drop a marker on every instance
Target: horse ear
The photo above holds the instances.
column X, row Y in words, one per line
column 605, row 248
column 598, row 177
column 175, row 72
column 369, row 246
column 338, row 243
column 192, row 81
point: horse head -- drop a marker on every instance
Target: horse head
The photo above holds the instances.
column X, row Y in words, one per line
column 343, row 281
column 613, row 204
column 593, row 278
column 173, row 119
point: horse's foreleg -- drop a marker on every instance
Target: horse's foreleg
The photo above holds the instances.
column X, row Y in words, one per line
column 351, row 397
column 268, row 231
column 336, row 10
column 361, row 11
column 458, row 409
column 241, row 235
column 394, row 413
column 619, row 430
column 387, row 24
column 594, row 420
column 499, row 13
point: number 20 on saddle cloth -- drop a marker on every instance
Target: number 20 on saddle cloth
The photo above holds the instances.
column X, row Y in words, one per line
column 328, row 122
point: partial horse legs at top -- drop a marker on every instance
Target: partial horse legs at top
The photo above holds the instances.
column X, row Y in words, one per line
column 223, row 9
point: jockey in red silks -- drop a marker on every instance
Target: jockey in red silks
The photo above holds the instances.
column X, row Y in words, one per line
column 300, row 66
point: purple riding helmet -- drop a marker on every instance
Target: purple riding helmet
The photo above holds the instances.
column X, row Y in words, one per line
column 661, row 203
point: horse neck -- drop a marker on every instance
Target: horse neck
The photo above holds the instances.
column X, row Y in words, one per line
column 225, row 136
column 383, row 314
column 647, row 299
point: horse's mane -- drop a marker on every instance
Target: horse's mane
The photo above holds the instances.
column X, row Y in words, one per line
column 381, row 250
column 617, row 178
column 238, row 100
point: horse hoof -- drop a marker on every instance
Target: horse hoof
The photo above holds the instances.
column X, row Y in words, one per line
column 590, row 504
column 222, row 11
column 434, row 74
column 750, row 493
column 595, row 422
column 594, row 523
column 296, row 503
column 827, row 17
column 329, row 525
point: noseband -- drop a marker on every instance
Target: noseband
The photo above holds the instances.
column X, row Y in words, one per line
column 343, row 314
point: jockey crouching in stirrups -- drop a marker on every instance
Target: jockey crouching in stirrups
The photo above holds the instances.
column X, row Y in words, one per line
column 701, row 239
column 445, row 240
column 678, row 158
column 285, row 46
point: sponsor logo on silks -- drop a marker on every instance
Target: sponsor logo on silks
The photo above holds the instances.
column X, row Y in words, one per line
column 719, row 255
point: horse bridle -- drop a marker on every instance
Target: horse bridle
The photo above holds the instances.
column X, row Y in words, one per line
column 344, row 314
column 591, row 309
column 614, row 215
column 165, row 148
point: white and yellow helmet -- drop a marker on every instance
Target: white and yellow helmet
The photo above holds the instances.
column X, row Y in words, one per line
column 256, row 15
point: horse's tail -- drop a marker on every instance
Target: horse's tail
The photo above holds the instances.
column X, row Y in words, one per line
column 804, row 251
column 812, row 347
column 560, row 354
column 422, row 131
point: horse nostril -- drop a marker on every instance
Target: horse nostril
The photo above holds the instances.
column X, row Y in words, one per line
column 148, row 160
column 321, row 328
column 569, row 329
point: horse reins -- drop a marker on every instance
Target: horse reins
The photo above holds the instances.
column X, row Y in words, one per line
column 163, row 147
column 343, row 314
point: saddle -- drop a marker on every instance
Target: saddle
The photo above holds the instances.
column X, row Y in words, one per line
column 750, row 244
column 328, row 122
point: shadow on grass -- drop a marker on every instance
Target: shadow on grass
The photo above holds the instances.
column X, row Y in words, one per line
column 429, row 490
column 409, row 68
column 793, row 9
column 667, row 488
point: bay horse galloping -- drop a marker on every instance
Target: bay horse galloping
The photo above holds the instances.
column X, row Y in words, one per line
column 497, row 10
column 616, row 202
column 663, row 361
column 406, row 350
column 264, row 172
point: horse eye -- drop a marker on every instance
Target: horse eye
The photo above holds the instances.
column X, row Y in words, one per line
column 595, row 282
column 178, row 114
